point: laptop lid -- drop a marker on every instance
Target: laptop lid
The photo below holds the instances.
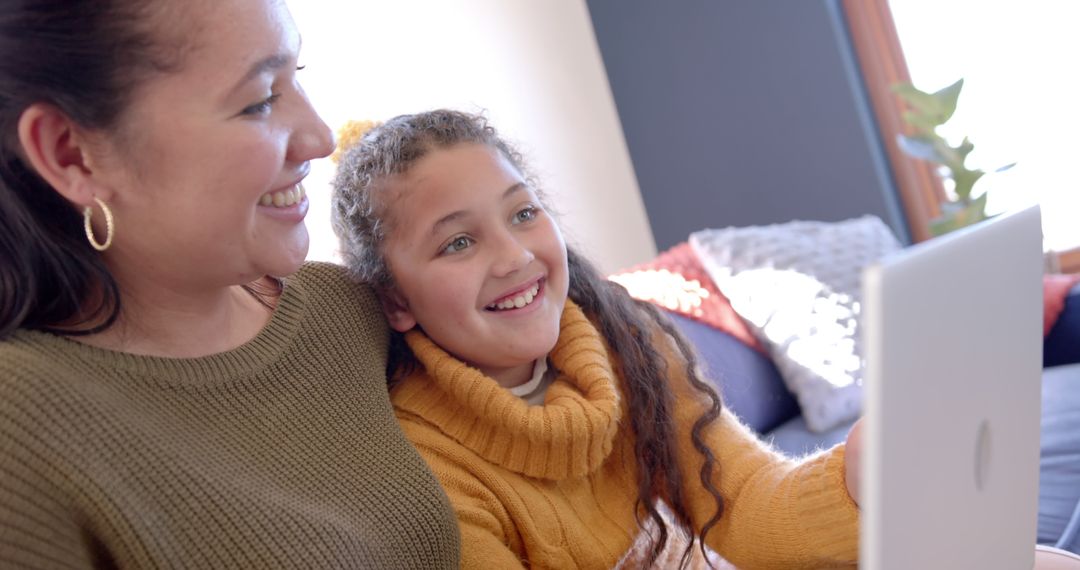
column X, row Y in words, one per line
column 953, row 338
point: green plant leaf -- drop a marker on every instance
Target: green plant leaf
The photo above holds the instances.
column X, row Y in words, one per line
column 929, row 108
column 977, row 209
column 947, row 99
column 926, row 112
column 923, row 103
column 964, row 149
column 949, row 157
column 923, row 123
column 965, row 182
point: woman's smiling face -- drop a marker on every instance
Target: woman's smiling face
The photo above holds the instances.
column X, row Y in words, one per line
column 477, row 262
column 204, row 175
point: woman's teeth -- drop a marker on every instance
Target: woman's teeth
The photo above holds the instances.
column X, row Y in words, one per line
column 283, row 198
column 517, row 301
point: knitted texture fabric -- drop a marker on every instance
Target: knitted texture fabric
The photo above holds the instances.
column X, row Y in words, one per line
column 554, row 486
column 281, row 453
column 798, row 285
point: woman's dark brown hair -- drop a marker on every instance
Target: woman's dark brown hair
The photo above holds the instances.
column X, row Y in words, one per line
column 394, row 147
column 85, row 57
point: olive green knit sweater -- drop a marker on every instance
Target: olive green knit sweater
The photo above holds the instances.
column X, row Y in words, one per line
column 282, row 453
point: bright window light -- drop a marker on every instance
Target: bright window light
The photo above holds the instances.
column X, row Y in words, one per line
column 1019, row 102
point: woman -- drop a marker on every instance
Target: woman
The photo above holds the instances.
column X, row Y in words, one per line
column 165, row 400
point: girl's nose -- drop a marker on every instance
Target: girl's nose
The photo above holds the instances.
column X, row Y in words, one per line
column 513, row 256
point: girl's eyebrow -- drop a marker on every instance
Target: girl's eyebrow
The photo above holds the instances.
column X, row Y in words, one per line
column 517, row 187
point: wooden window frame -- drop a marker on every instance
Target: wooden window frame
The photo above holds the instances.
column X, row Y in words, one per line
column 1069, row 261
column 881, row 61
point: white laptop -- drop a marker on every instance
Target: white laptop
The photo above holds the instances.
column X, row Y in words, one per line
column 953, row 343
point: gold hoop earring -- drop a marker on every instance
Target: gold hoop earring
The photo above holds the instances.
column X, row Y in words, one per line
column 88, row 212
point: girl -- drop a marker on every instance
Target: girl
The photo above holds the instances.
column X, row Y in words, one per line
column 566, row 421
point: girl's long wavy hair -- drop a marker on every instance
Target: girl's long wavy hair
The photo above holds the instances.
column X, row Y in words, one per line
column 392, row 148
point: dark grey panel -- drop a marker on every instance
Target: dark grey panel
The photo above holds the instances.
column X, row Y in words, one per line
column 742, row 112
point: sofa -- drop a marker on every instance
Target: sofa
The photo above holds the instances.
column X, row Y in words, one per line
column 752, row 388
column 733, row 353
column 1059, row 474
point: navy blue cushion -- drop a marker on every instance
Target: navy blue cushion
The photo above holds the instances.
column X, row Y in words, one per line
column 1062, row 344
column 1059, row 470
column 748, row 380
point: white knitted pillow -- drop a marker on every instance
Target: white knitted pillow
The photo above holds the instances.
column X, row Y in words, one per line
column 798, row 287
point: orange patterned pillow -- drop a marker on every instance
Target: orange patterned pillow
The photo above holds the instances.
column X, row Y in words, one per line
column 675, row 280
column 1055, row 289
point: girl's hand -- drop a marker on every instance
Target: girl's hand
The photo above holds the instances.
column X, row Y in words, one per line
column 853, row 461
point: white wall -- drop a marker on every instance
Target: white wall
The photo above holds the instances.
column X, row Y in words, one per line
column 533, row 66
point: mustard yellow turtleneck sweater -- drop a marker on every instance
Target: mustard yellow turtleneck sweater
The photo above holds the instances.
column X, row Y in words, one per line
column 553, row 486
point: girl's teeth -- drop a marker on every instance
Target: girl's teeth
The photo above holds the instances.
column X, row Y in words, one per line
column 518, row 301
column 283, row 198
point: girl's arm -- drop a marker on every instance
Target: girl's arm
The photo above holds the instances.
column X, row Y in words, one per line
column 486, row 528
column 778, row 512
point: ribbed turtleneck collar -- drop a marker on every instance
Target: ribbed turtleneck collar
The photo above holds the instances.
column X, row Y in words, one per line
column 569, row 436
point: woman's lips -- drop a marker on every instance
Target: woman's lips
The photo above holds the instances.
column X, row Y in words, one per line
column 289, row 205
column 284, row 198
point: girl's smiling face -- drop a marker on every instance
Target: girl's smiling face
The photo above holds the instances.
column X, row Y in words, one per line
column 477, row 262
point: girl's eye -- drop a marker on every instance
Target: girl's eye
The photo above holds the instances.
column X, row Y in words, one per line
column 526, row 214
column 261, row 108
column 457, row 244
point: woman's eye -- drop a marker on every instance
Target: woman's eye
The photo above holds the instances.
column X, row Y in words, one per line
column 457, row 244
column 261, row 108
column 525, row 215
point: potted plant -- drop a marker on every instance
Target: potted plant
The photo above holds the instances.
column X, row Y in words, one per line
column 928, row 111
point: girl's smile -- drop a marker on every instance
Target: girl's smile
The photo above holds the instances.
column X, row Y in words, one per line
column 519, row 300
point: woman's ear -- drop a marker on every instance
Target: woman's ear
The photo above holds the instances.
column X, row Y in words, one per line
column 397, row 311
column 52, row 144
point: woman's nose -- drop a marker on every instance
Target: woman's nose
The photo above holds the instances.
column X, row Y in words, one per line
column 311, row 138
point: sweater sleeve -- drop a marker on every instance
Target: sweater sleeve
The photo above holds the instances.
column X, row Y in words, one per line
column 487, row 533
column 38, row 528
column 778, row 512
column 36, row 531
